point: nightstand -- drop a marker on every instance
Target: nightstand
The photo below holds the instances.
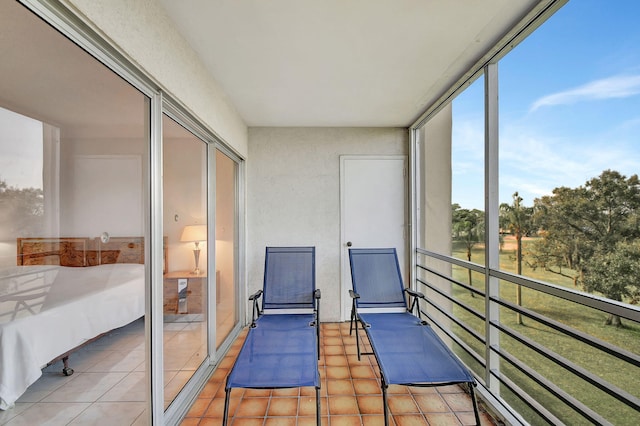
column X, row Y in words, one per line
column 183, row 293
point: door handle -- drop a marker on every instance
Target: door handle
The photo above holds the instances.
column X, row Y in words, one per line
column 349, row 244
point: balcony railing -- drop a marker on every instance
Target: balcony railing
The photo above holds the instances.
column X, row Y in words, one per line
column 536, row 363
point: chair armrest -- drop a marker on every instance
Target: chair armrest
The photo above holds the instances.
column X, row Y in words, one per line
column 255, row 311
column 317, row 294
column 354, row 295
column 255, row 295
column 415, row 293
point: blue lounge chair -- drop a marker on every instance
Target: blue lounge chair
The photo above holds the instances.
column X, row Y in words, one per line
column 407, row 350
column 282, row 347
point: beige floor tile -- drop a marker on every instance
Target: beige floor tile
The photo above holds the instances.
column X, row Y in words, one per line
column 252, row 407
column 283, row 407
column 412, row 420
column 442, row 419
column 369, row 404
column 342, row 405
column 108, row 414
column 339, row 387
column 49, row 413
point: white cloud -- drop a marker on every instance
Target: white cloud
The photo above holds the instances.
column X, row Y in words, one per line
column 606, row 88
column 534, row 164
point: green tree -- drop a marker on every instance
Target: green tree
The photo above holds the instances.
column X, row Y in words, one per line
column 518, row 219
column 615, row 273
column 589, row 224
column 21, row 211
column 562, row 239
column 468, row 228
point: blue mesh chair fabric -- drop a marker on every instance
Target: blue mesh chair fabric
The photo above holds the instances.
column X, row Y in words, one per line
column 376, row 278
column 280, row 352
column 407, row 350
column 281, row 349
column 410, row 352
column 289, row 278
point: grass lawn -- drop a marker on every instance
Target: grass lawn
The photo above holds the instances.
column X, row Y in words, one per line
column 585, row 319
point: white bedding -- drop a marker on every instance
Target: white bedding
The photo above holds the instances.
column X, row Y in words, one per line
column 46, row 311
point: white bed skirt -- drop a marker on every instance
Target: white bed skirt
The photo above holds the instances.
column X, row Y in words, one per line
column 63, row 307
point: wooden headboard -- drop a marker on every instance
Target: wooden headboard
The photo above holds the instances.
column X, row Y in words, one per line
column 81, row 252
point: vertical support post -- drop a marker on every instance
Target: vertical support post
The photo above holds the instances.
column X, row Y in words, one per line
column 492, row 231
column 154, row 265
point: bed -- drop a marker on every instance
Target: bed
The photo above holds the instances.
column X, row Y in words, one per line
column 63, row 293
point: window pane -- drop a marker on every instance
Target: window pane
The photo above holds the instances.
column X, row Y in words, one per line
column 569, row 193
column 74, row 139
column 226, row 213
column 467, row 177
column 186, row 279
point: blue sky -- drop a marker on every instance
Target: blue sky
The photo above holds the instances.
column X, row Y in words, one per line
column 569, row 106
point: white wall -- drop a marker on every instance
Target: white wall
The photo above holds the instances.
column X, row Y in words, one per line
column 435, row 204
column 293, row 195
column 142, row 29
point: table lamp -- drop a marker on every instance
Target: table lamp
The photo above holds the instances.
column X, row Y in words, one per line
column 195, row 234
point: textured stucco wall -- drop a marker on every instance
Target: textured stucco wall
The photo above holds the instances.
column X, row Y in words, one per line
column 293, row 195
column 143, row 31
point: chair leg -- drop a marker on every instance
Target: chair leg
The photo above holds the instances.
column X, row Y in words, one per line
column 357, row 339
column 317, row 406
column 353, row 316
column 226, row 406
column 318, row 338
column 384, row 403
column 475, row 403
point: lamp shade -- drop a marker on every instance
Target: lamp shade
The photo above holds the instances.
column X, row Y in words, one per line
column 194, row 233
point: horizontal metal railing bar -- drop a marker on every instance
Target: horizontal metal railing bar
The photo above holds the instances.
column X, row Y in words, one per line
column 621, row 309
column 524, row 397
column 457, row 339
column 459, row 283
column 449, row 259
column 464, row 306
column 600, row 303
column 607, row 347
column 620, row 394
column 569, row 400
column 459, row 323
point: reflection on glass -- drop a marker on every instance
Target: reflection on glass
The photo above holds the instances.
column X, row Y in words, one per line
column 72, row 234
column 226, row 296
column 186, row 276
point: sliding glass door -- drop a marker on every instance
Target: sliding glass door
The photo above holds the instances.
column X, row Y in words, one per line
column 186, row 279
column 84, row 174
column 74, row 220
column 227, row 315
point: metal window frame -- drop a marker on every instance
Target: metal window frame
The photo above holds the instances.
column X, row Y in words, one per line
column 72, row 26
column 487, row 66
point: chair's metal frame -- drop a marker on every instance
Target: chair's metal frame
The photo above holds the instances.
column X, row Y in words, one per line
column 257, row 313
column 414, row 308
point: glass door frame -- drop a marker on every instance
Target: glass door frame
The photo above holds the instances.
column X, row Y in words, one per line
column 239, row 238
column 180, row 405
column 72, row 26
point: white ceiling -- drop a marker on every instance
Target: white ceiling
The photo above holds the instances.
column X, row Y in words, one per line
column 340, row 62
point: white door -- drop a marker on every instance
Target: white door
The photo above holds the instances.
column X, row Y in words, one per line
column 373, row 210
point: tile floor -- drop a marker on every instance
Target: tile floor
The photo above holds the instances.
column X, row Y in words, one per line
column 109, row 386
column 350, row 395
